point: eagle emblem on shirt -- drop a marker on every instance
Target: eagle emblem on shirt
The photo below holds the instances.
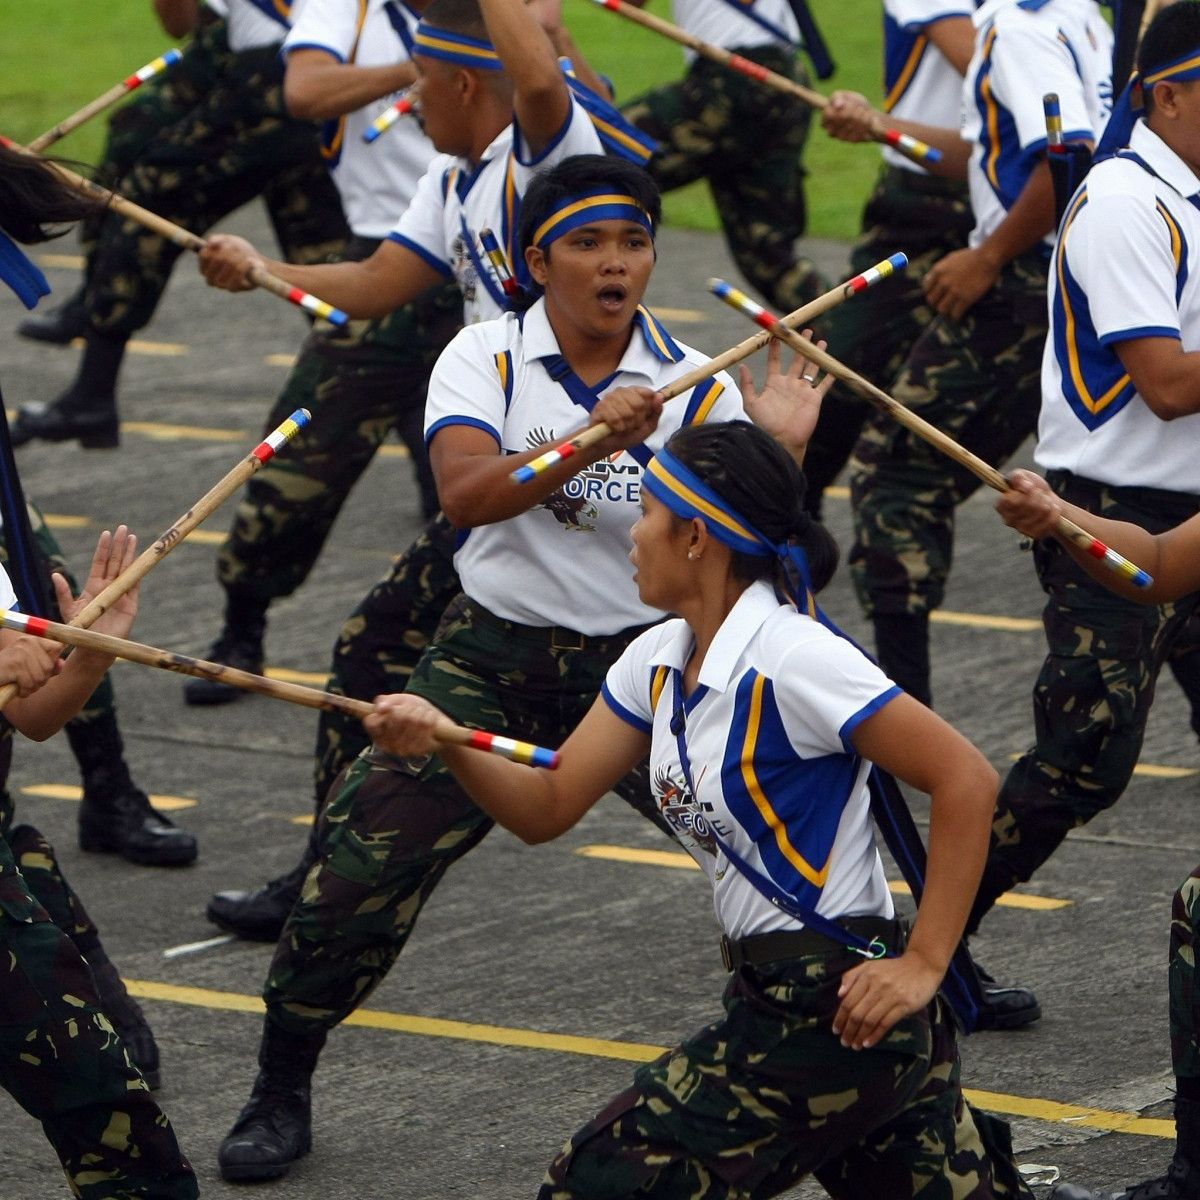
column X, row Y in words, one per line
column 576, row 513
column 680, row 810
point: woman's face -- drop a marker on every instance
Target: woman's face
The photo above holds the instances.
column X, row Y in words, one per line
column 660, row 555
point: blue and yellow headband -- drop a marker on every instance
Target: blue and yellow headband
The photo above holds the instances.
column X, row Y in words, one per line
column 456, row 48
column 688, row 496
column 1131, row 103
column 574, row 211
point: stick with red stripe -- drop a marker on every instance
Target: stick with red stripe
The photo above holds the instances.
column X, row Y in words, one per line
column 947, row 445
column 387, row 119
column 170, row 538
column 911, row 147
column 247, row 681
column 499, row 260
column 810, row 311
column 107, row 100
column 185, row 238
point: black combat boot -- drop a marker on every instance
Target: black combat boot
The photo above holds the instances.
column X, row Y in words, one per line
column 60, row 325
column 240, row 645
column 260, row 915
column 87, row 410
column 1006, row 1006
column 124, row 1012
column 116, row 816
column 275, row 1127
column 1182, row 1178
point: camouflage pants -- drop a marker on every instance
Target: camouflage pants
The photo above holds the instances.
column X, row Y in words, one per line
column 874, row 332
column 392, row 828
column 750, row 1104
column 383, row 640
column 358, row 387
column 977, row 379
column 748, row 141
column 194, row 144
column 1185, row 1021
column 62, row 1062
column 1093, row 695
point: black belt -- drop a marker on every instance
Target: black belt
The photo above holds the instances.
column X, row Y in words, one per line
column 556, row 637
column 762, row 948
column 925, row 185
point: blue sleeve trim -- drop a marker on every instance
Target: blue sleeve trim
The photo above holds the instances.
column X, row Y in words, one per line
column 554, row 141
column 621, row 711
column 314, row 46
column 473, row 422
column 419, row 250
column 863, row 713
column 1078, row 135
column 1141, row 331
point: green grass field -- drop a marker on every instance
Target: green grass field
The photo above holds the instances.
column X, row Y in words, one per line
column 48, row 69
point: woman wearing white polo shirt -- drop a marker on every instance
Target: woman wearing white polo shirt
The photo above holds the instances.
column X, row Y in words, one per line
column 761, row 724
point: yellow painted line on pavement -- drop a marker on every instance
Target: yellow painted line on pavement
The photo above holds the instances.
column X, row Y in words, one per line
column 837, row 493
column 66, row 791
column 1150, row 770
column 692, row 316
column 638, row 1052
column 152, row 349
column 986, row 621
column 67, row 520
column 280, row 360
column 65, row 261
column 184, row 433
column 682, row 861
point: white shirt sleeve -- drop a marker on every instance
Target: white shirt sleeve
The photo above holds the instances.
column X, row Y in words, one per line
column 1119, row 252
column 465, row 387
column 914, row 15
column 577, row 136
column 1027, row 49
column 626, row 688
column 328, row 25
column 422, row 228
column 825, row 689
column 8, row 597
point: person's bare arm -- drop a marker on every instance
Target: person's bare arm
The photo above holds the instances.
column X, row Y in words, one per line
column 850, row 117
column 316, row 87
column 917, row 746
column 374, row 287
column 534, row 803
column 541, row 98
column 1166, row 376
column 177, row 17
column 962, row 278
column 955, row 38
column 474, row 480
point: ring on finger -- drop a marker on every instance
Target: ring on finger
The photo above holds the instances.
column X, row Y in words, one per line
column 810, row 378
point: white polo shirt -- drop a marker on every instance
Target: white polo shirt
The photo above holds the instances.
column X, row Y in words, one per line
column 919, row 82
column 377, row 181
column 720, row 23
column 1127, row 266
column 768, row 741
column 1022, row 51
column 254, row 23
column 455, row 200
column 8, row 596
column 566, row 561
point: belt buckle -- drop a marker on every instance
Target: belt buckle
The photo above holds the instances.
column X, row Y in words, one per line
column 726, row 953
column 567, row 639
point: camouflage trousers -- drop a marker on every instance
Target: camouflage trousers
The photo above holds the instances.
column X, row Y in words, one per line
column 383, row 640
column 1185, row 1021
column 358, row 388
column 392, row 828
column 750, row 1104
column 62, row 1062
column 977, row 379
column 748, row 142
column 192, row 145
column 1093, row 695
column 874, row 333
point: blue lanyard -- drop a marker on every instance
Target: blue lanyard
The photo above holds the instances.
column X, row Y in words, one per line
column 768, row 887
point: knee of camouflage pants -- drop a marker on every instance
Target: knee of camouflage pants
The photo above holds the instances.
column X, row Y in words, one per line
column 1185, row 1020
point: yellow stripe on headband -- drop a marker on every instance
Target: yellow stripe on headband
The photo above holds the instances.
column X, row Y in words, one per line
column 1170, row 72
column 685, row 493
column 455, row 51
column 569, row 211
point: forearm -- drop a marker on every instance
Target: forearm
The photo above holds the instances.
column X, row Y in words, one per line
column 956, row 153
column 1029, row 220
column 43, row 714
column 960, row 823
column 540, row 96
column 322, row 88
column 177, row 17
column 520, row 798
column 356, row 288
